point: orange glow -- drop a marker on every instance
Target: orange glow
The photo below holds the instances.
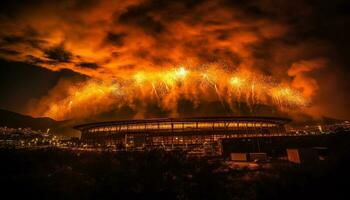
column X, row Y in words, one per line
column 287, row 97
column 236, row 81
column 135, row 56
column 181, row 72
column 166, row 87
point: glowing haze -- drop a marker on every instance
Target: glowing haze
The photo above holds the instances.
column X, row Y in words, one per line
column 139, row 53
column 166, row 87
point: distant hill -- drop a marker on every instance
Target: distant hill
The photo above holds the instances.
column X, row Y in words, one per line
column 17, row 94
column 16, row 120
column 303, row 119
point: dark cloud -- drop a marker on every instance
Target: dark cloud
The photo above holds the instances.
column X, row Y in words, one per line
column 11, row 8
column 14, row 40
column 160, row 61
column 248, row 8
column 142, row 53
column 220, row 54
column 34, row 60
column 115, row 39
column 153, row 15
column 139, row 16
column 8, row 52
column 58, row 54
column 89, row 65
column 84, row 4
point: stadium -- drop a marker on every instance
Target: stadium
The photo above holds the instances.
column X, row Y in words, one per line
column 179, row 132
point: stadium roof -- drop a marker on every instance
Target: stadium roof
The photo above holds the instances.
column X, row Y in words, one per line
column 276, row 120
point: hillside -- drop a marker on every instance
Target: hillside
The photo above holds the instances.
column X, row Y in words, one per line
column 16, row 120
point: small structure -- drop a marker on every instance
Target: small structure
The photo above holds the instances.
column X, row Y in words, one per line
column 258, row 157
column 239, row 156
column 302, row 155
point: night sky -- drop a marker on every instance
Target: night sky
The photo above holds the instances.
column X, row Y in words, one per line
column 64, row 56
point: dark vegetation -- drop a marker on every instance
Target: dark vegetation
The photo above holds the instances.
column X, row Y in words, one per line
column 276, row 146
column 15, row 120
column 58, row 174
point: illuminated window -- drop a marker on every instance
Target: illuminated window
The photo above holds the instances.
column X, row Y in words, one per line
column 178, row 126
column 190, row 125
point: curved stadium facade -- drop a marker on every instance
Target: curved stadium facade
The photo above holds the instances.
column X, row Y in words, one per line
column 179, row 132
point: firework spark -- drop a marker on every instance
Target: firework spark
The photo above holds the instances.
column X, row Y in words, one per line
column 166, row 87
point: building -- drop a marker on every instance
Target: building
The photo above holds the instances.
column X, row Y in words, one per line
column 24, row 138
column 321, row 128
column 179, row 132
column 302, row 155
